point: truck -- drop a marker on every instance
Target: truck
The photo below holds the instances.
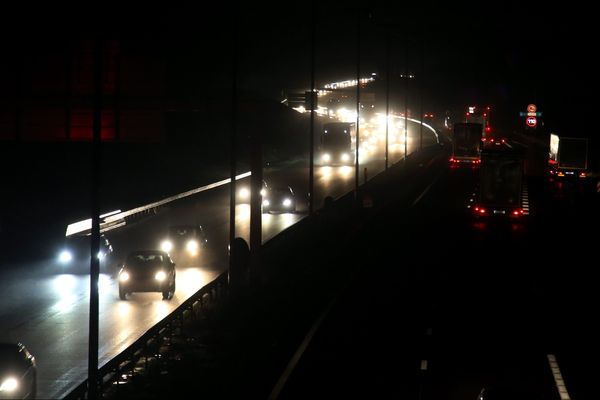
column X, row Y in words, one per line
column 336, row 145
column 568, row 157
column 500, row 190
column 466, row 143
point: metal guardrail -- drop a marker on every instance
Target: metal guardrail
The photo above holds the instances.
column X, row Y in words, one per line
column 110, row 373
column 117, row 219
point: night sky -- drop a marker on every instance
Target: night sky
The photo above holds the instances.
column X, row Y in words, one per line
column 507, row 55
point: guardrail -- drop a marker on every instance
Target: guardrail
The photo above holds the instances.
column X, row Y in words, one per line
column 116, row 219
column 149, row 343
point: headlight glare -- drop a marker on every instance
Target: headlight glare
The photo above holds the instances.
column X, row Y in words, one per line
column 244, row 193
column 160, row 276
column 287, row 202
column 192, row 246
column 65, row 256
column 9, row 384
column 124, row 276
column 166, row 246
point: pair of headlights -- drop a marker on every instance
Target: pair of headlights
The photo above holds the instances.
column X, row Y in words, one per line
column 191, row 246
column 286, row 202
column 159, row 276
column 66, row 256
column 345, row 157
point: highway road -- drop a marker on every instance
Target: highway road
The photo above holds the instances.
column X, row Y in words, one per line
column 46, row 307
column 456, row 304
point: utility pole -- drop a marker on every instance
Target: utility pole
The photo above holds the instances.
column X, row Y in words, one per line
column 357, row 144
column 421, row 81
column 233, row 144
column 406, row 77
column 387, row 95
column 95, row 233
column 311, row 167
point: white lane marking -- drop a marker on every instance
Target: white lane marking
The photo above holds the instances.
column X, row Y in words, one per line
column 425, row 191
column 298, row 354
column 558, row 379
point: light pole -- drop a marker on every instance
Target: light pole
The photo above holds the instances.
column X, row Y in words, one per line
column 356, row 164
column 387, row 96
column 311, row 168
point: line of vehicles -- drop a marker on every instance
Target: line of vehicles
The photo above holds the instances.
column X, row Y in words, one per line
column 501, row 188
column 153, row 270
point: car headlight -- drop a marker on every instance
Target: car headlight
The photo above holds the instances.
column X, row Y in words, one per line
column 263, row 192
column 287, row 202
column 166, row 246
column 65, row 257
column 124, row 276
column 244, row 194
column 326, row 157
column 100, row 255
column 160, row 276
column 192, row 246
column 9, row 384
column 345, row 157
column 266, row 203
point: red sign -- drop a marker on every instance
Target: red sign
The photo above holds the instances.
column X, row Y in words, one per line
column 531, row 121
column 531, row 108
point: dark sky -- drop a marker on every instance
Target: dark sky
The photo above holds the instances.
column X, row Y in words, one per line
column 503, row 54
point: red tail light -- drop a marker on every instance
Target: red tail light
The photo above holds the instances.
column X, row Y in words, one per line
column 479, row 210
column 582, row 175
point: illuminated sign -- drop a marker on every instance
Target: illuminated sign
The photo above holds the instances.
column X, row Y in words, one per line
column 531, row 108
column 531, row 121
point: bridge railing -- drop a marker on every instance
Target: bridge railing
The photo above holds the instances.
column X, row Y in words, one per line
column 110, row 373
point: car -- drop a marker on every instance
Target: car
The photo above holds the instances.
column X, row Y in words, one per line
column 185, row 241
column 147, row 271
column 18, row 372
column 74, row 256
column 279, row 199
column 243, row 193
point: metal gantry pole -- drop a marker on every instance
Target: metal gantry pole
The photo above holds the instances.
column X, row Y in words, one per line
column 421, row 81
column 233, row 143
column 311, row 167
column 387, row 96
column 95, row 234
column 357, row 144
column 406, row 101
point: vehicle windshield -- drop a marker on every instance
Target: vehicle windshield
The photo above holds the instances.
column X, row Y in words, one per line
column 183, row 231
column 144, row 259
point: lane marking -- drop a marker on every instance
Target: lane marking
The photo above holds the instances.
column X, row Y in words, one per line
column 426, row 190
column 298, row 354
column 558, row 379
